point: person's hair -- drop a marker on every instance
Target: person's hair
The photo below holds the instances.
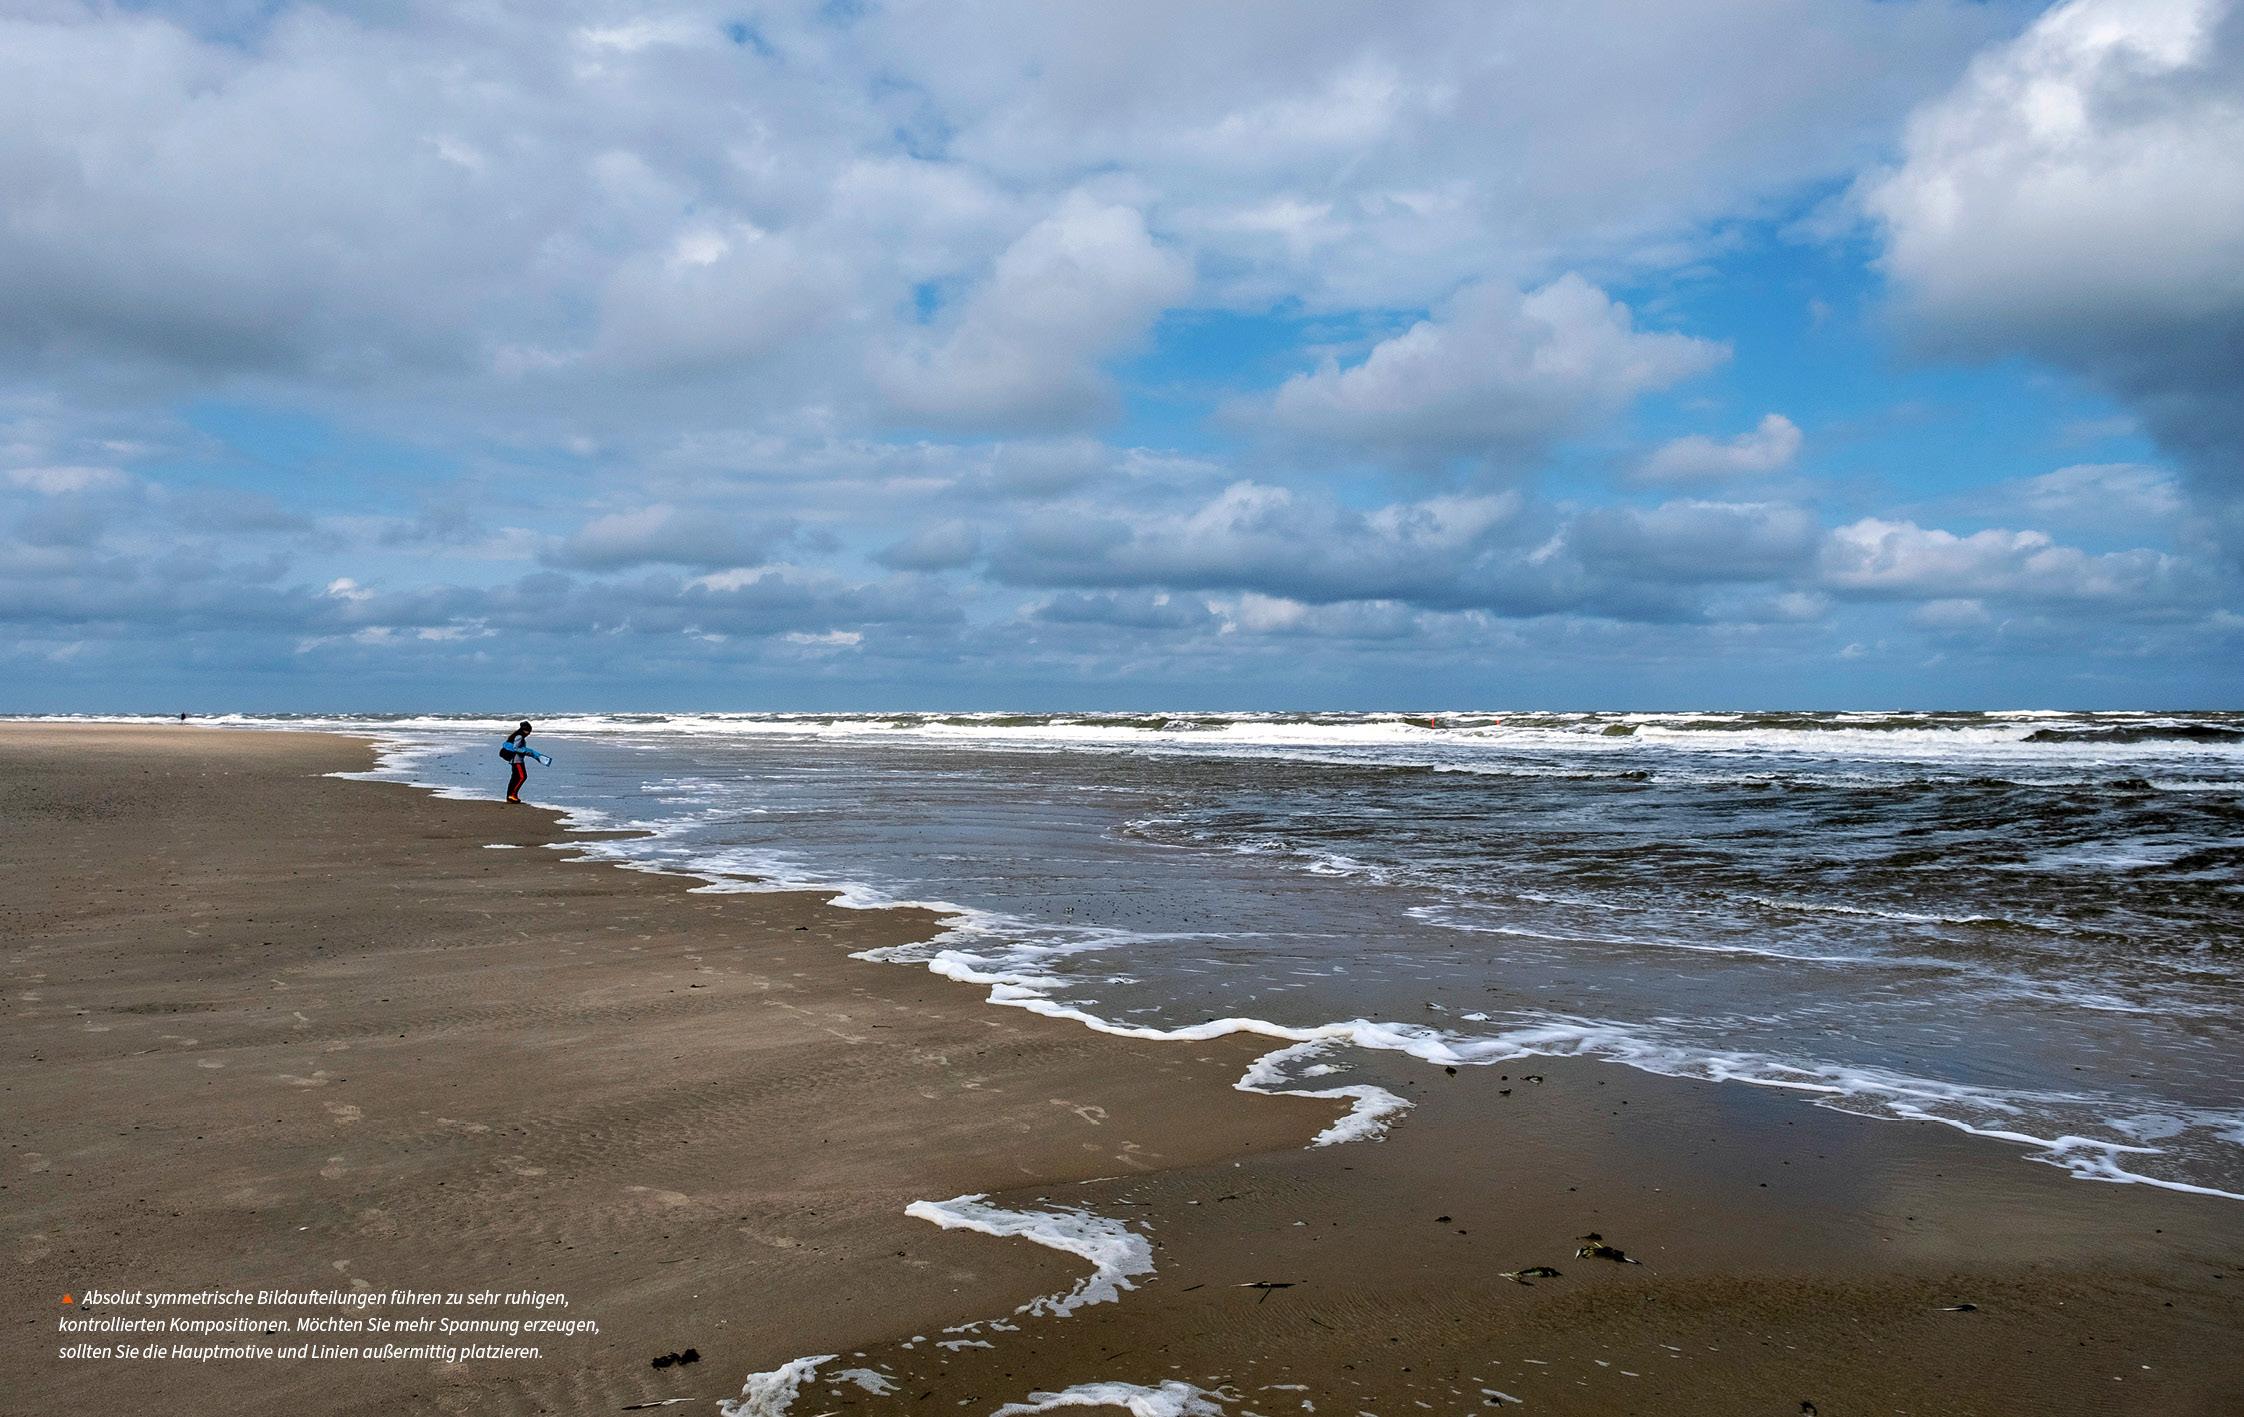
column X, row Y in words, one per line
column 525, row 726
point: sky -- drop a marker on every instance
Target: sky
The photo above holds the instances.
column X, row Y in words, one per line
column 521, row 357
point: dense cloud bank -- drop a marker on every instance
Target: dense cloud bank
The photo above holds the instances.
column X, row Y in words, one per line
column 794, row 353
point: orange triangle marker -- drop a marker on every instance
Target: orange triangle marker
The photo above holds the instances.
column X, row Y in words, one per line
column 66, row 1298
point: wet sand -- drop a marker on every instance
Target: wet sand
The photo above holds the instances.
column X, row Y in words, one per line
column 271, row 1029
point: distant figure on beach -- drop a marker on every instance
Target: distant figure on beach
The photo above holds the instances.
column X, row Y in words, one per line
column 516, row 751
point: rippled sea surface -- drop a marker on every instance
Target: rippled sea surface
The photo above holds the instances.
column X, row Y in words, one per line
column 2026, row 924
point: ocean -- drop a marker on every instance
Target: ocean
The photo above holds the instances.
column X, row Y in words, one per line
column 2027, row 925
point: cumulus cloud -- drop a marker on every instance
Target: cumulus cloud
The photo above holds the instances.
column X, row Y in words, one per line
column 1696, row 541
column 180, row 201
column 1958, row 614
column 1254, row 536
column 1026, row 348
column 2088, row 174
column 1494, row 373
column 1770, row 448
column 1682, row 560
column 662, row 534
column 1135, row 610
column 1901, row 559
column 1258, row 614
column 2099, row 493
column 507, row 206
column 2079, row 197
column 546, row 196
column 720, row 297
column 72, row 505
column 944, row 546
column 1360, row 160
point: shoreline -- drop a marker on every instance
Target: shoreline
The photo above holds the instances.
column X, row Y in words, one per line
column 1886, row 1097
column 1415, row 1232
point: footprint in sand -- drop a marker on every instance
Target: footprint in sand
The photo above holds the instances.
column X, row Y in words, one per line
column 668, row 1198
column 343, row 1268
column 343, row 1113
column 520, row 1166
column 208, row 1063
column 32, row 1248
column 334, row 1170
column 1089, row 1112
column 36, row 1161
column 456, row 1125
column 1128, row 1156
column 180, row 1039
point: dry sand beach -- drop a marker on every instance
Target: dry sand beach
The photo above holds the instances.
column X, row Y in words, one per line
column 270, row 1029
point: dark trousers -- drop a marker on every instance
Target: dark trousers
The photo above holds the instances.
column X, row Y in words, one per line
column 521, row 774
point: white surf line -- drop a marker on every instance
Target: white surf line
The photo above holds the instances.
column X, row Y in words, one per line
column 2086, row 1158
column 1171, row 1399
column 1372, row 1109
column 770, row 1394
column 1118, row 1254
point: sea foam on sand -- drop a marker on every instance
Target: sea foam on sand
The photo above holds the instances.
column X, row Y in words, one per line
column 1117, row 1253
column 1118, row 1256
column 769, row 1394
column 1171, row 1399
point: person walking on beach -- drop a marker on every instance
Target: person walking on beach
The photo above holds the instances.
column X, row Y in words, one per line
column 516, row 751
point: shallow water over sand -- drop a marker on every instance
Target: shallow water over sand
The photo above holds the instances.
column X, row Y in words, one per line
column 2025, row 924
